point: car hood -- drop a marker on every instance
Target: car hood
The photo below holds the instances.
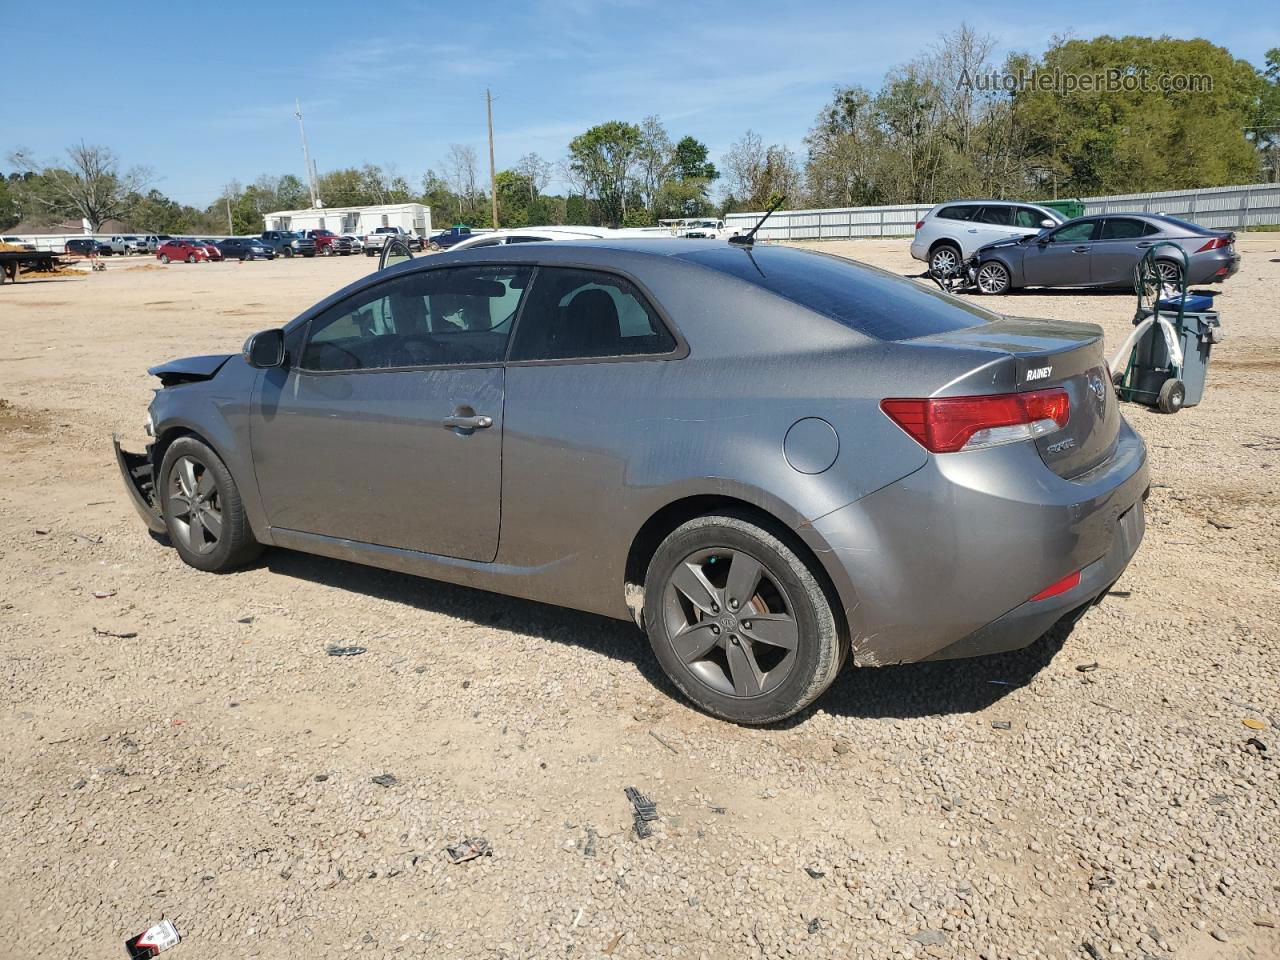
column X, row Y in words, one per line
column 1003, row 244
column 189, row 369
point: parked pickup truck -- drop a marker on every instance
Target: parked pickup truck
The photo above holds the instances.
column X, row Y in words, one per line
column 374, row 242
column 287, row 243
column 447, row 238
column 328, row 243
column 123, row 245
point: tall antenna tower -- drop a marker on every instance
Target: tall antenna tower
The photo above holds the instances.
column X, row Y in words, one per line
column 306, row 158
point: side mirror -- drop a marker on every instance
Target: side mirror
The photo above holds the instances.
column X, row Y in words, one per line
column 264, row 349
column 1047, row 223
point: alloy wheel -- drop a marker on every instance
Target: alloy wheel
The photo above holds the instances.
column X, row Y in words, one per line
column 195, row 506
column 730, row 622
column 992, row 278
column 1170, row 273
column 944, row 262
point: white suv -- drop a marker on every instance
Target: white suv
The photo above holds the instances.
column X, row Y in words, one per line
column 952, row 232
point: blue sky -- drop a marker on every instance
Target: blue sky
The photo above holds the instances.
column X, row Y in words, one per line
column 203, row 93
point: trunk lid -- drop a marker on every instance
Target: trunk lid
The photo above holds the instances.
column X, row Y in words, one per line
column 1048, row 354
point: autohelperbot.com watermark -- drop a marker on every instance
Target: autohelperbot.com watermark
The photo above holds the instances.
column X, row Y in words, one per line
column 1111, row 80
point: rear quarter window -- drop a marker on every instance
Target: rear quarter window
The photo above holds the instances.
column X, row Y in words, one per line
column 871, row 301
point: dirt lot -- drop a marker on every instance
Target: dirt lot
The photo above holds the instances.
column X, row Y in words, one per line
column 180, row 745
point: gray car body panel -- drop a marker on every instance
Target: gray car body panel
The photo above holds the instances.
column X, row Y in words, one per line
column 585, row 452
column 1107, row 263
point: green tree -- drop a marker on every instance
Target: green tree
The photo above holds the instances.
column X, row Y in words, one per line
column 604, row 157
column 1146, row 138
column 691, row 161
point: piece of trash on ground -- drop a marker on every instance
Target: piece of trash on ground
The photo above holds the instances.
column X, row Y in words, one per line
column 1001, row 725
column 468, row 849
column 662, row 741
column 815, row 873
column 154, row 940
column 645, row 812
column 122, row 635
column 385, row 780
column 1119, row 593
column 1253, row 724
column 1087, row 667
column 103, row 594
column 334, row 650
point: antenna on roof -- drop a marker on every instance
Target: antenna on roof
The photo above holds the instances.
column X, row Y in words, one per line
column 749, row 238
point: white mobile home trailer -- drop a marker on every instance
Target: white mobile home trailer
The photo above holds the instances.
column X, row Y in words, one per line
column 358, row 221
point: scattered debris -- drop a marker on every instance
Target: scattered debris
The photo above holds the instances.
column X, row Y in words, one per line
column 815, row 873
column 1001, row 683
column 721, row 811
column 814, row 925
column 656, row 736
column 1091, row 950
column 841, row 747
column 154, row 940
column 43, row 531
column 420, row 668
column 87, row 537
column 1256, row 744
column 646, row 811
column 122, row 635
column 1220, row 936
column 334, row 650
column 1264, row 923
column 1087, row 667
column 103, row 594
column 1119, row 593
column 1001, row 725
column 248, row 619
column 385, row 780
column 1253, row 723
column 589, row 845
column 613, row 945
column 321, row 777
column 469, row 849
column 466, row 684
column 1220, row 524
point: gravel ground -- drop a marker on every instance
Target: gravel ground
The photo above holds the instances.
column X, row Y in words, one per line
column 180, row 744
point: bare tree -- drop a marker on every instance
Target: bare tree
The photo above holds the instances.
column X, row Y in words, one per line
column 92, row 186
column 655, row 160
column 460, row 166
column 536, row 171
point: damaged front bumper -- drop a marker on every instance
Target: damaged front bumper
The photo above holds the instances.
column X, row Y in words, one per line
column 139, row 479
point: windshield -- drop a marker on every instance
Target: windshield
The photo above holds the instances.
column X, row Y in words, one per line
column 871, row 301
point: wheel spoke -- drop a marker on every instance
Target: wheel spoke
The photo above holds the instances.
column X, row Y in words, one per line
column 187, row 476
column 205, row 485
column 748, row 681
column 689, row 579
column 179, row 505
column 211, row 520
column 744, row 578
column 695, row 641
column 775, row 629
column 196, row 527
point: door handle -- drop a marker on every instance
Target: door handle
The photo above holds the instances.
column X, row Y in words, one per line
column 1079, row 249
column 468, row 423
column 1144, row 244
column 973, row 230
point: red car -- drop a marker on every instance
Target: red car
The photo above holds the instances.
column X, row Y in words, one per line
column 188, row 250
column 210, row 248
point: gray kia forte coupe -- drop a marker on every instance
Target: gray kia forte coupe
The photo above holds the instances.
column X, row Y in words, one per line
column 771, row 459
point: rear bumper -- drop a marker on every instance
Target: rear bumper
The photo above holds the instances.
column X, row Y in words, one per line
column 1213, row 267
column 946, row 558
column 138, row 472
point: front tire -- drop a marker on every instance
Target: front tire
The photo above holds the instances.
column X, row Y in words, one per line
column 202, row 509
column 993, row 277
column 191, row 258
column 164, row 258
column 738, row 620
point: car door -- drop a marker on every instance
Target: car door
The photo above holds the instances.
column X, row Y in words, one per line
column 994, row 222
column 385, row 425
column 1061, row 257
column 1120, row 245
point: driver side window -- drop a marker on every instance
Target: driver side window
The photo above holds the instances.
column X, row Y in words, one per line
column 1075, row 232
column 425, row 318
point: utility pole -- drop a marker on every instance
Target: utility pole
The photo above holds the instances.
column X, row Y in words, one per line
column 493, row 174
column 230, row 229
column 306, row 157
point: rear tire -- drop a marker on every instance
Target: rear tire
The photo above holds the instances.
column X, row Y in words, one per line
column 202, row 509
column 1170, row 273
column 1172, row 395
column 945, row 260
column 753, row 659
column 164, row 258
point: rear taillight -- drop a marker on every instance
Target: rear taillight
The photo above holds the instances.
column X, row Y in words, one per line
column 919, row 224
column 1069, row 582
column 1217, row 243
column 950, row 424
